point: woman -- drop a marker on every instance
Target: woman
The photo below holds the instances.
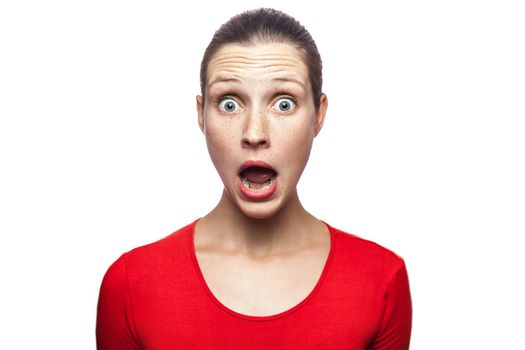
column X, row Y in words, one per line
column 258, row 271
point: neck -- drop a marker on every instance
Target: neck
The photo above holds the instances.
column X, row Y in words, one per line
column 227, row 227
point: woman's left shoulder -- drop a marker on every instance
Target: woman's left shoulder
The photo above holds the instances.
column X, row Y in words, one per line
column 358, row 249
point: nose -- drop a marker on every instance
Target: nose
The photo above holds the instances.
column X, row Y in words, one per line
column 255, row 131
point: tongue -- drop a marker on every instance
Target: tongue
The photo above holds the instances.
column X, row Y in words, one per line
column 258, row 175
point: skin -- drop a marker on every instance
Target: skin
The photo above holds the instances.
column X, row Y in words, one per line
column 253, row 253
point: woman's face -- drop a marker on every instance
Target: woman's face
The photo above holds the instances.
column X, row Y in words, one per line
column 259, row 108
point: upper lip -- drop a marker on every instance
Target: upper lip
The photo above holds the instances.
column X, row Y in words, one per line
column 259, row 163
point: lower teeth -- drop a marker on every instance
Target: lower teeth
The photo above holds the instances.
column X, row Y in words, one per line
column 247, row 184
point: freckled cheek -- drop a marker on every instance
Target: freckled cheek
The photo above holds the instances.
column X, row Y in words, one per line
column 298, row 145
column 220, row 142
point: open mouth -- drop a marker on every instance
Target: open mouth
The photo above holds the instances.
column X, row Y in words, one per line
column 257, row 178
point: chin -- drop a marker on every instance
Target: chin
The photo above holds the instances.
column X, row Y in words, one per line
column 259, row 210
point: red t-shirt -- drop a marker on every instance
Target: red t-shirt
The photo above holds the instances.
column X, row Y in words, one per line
column 155, row 297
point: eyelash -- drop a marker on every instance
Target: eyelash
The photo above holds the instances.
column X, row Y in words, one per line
column 290, row 98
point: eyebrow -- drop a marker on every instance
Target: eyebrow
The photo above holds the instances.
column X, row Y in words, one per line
column 224, row 80
column 290, row 80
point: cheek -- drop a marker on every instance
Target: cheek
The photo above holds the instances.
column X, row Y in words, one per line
column 219, row 140
column 298, row 144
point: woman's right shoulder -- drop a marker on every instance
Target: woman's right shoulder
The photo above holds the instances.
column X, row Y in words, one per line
column 155, row 254
column 170, row 243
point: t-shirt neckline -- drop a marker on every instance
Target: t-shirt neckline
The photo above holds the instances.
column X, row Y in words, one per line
column 208, row 291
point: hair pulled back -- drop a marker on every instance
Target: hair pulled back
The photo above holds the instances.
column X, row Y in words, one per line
column 267, row 25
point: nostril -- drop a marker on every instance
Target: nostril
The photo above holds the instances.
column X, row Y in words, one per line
column 255, row 130
column 254, row 143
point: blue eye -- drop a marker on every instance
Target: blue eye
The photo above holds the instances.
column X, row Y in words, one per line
column 228, row 105
column 285, row 104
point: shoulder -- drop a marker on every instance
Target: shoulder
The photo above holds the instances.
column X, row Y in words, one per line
column 356, row 253
column 156, row 257
column 169, row 246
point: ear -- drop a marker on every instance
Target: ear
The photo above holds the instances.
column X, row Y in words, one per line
column 200, row 113
column 321, row 113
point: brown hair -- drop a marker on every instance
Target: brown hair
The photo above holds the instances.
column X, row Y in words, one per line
column 269, row 25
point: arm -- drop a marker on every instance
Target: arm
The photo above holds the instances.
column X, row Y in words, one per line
column 396, row 324
column 115, row 322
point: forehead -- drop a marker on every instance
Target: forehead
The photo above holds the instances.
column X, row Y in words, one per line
column 260, row 61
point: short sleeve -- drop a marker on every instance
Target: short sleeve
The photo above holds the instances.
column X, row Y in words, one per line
column 396, row 324
column 115, row 324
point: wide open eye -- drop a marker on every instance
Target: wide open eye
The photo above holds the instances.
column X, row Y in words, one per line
column 285, row 104
column 228, row 105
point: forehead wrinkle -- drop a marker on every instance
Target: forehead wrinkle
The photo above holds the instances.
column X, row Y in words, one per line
column 258, row 59
column 255, row 56
column 276, row 75
column 236, row 62
column 238, row 69
column 239, row 65
column 234, row 78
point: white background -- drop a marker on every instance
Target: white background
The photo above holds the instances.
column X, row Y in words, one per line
column 422, row 151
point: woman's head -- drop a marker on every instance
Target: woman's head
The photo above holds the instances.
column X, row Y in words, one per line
column 259, row 114
column 268, row 26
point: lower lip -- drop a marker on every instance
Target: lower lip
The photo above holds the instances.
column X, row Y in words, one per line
column 267, row 193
